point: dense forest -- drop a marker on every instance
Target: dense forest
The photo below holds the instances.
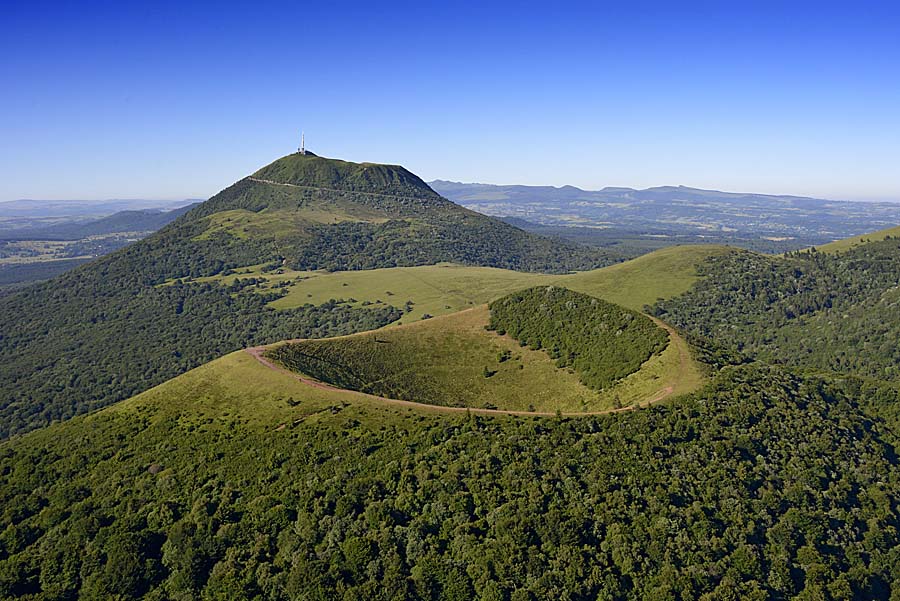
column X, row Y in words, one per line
column 777, row 480
column 601, row 341
column 100, row 355
column 763, row 486
column 466, row 240
column 18, row 275
column 111, row 328
column 832, row 312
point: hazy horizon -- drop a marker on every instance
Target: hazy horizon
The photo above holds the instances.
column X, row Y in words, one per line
column 188, row 199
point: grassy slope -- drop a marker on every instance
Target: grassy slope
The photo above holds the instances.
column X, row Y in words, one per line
column 237, row 388
column 849, row 243
column 642, row 281
column 673, row 372
column 285, row 222
column 69, row 357
column 441, row 361
column 434, row 289
column 446, row 288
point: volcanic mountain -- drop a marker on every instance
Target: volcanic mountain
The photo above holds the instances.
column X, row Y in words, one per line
column 317, row 213
column 132, row 319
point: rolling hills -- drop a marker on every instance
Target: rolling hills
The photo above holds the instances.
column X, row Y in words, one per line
column 144, row 220
column 677, row 214
column 835, row 312
column 447, row 361
column 235, row 480
column 31, row 254
column 109, row 329
column 446, row 288
column 543, row 466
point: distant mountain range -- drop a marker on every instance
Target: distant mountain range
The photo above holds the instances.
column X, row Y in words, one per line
column 34, row 253
column 142, row 220
column 677, row 210
column 56, row 208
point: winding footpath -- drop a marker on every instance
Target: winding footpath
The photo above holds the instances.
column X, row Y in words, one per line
column 684, row 359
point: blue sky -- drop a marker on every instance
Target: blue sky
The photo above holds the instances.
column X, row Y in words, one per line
column 172, row 100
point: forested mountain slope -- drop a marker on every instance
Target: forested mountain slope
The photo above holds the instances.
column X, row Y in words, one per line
column 319, row 213
column 233, row 481
column 600, row 341
column 110, row 329
column 838, row 312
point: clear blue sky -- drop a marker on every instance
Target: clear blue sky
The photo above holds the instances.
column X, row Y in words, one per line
column 168, row 100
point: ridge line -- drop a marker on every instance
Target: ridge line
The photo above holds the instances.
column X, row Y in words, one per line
column 662, row 394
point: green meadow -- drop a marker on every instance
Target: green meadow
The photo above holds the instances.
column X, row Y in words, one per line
column 446, row 288
column 857, row 241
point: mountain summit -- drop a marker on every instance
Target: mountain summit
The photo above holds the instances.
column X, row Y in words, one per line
column 135, row 318
column 311, row 188
column 315, row 171
column 312, row 212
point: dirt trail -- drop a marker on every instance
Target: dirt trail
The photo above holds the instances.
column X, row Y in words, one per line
column 683, row 358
